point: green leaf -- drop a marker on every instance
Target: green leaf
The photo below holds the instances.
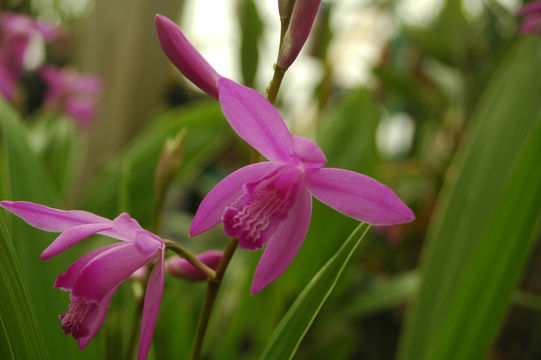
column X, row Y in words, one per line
column 484, row 219
column 20, row 336
column 296, row 322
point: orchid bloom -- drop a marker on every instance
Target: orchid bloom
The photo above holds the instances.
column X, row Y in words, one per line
column 74, row 94
column 270, row 203
column 94, row 277
column 16, row 33
column 180, row 267
column 532, row 21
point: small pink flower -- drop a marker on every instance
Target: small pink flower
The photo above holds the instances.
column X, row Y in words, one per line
column 93, row 278
column 74, row 94
column 532, row 18
column 16, row 32
column 179, row 267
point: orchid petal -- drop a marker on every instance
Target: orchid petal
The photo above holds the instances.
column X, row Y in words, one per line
column 284, row 245
column 49, row 219
column 185, row 57
column 531, row 7
column 101, row 312
column 153, row 297
column 308, row 152
column 358, row 196
column 71, row 237
column 67, row 280
column 255, row 120
column 229, row 189
column 109, row 269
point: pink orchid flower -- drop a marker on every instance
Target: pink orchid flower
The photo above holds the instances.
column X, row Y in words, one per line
column 180, row 267
column 74, row 94
column 93, row 278
column 270, row 203
column 532, row 18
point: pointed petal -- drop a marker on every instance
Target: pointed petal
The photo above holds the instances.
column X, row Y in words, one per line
column 228, row 190
column 71, row 237
column 255, row 120
column 109, row 269
column 358, row 196
column 49, row 219
column 185, row 57
column 308, row 152
column 153, row 297
column 67, row 280
column 285, row 244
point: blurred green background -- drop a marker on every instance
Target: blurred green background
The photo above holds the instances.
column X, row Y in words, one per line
column 440, row 100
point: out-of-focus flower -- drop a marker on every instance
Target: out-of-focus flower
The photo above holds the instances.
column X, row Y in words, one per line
column 270, row 203
column 180, row 267
column 532, row 18
column 302, row 19
column 76, row 95
column 16, row 33
column 93, row 278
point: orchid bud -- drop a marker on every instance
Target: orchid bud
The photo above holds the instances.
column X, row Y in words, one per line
column 169, row 163
column 179, row 267
column 300, row 25
column 185, row 57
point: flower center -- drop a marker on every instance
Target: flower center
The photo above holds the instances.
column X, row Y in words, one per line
column 80, row 317
column 256, row 214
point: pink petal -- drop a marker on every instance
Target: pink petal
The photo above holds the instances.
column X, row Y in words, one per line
column 213, row 205
column 102, row 311
column 71, row 237
column 109, row 269
column 284, row 245
column 308, row 152
column 358, row 196
column 255, row 120
column 531, row 24
column 8, row 82
column 180, row 267
column 153, row 297
column 185, row 57
column 49, row 219
column 67, row 280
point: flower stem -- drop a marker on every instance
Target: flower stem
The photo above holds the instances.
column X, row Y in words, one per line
column 183, row 253
column 210, row 297
column 274, row 86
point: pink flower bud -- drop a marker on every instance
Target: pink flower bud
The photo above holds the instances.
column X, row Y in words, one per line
column 177, row 266
column 185, row 57
column 300, row 25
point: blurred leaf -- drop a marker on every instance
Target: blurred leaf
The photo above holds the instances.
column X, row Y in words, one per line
column 382, row 294
column 251, row 31
column 206, row 137
column 469, row 220
column 20, row 336
column 348, row 133
column 296, row 322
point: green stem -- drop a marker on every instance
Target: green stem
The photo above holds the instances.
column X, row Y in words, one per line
column 210, row 298
column 274, row 86
column 183, row 253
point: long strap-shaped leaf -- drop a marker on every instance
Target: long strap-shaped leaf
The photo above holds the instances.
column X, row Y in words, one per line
column 295, row 323
column 20, row 337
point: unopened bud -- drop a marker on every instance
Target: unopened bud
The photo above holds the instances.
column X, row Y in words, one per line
column 169, row 163
column 179, row 267
column 302, row 19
